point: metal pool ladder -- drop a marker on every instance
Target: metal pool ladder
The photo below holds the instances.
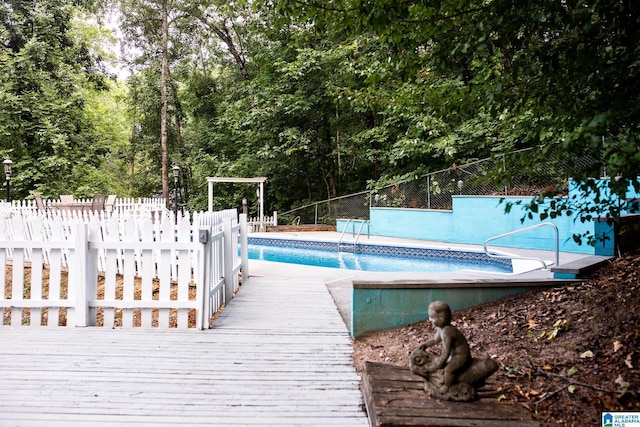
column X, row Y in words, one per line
column 345, row 245
column 544, row 224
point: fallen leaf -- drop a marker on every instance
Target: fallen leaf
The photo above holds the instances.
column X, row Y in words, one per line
column 607, row 404
column 622, row 383
column 532, row 324
column 617, row 345
column 571, row 388
column 628, row 361
column 586, row 354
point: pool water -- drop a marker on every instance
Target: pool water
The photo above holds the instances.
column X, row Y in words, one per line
column 384, row 259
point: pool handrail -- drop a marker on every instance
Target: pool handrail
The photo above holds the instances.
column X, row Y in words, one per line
column 357, row 236
column 544, row 224
column 362, row 223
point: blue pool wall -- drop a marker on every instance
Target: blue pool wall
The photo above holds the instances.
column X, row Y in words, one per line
column 383, row 305
column 474, row 219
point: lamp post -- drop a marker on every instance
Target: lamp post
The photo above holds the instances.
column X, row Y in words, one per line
column 176, row 173
column 7, row 173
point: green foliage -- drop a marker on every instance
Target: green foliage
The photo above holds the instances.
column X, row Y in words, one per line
column 50, row 71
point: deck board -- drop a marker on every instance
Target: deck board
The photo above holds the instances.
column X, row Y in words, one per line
column 278, row 355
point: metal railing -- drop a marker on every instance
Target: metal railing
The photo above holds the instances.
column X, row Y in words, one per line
column 544, row 224
column 353, row 232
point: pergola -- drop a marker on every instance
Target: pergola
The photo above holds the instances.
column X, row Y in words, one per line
column 259, row 180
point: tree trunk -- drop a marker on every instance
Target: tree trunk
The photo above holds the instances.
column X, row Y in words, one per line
column 132, row 159
column 178, row 121
column 163, row 109
column 223, row 33
column 225, row 36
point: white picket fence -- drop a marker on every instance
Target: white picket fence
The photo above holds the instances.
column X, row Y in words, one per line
column 119, row 270
column 154, row 206
column 256, row 225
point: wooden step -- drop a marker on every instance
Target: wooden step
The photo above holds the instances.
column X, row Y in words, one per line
column 580, row 267
column 395, row 397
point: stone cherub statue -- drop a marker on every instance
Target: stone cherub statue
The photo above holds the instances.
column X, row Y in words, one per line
column 454, row 375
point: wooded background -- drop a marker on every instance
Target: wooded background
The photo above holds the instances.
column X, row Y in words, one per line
column 324, row 98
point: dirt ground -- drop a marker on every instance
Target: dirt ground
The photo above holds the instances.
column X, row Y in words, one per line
column 565, row 354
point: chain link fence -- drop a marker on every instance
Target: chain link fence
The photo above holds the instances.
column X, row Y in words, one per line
column 519, row 175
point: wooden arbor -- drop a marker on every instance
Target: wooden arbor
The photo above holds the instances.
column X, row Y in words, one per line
column 258, row 180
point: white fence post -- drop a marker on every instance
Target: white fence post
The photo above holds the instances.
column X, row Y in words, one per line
column 79, row 284
column 244, row 248
column 228, row 259
column 203, row 278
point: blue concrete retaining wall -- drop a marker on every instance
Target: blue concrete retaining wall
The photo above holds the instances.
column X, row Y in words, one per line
column 474, row 219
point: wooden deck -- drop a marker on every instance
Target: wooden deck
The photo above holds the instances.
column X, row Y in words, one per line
column 278, row 355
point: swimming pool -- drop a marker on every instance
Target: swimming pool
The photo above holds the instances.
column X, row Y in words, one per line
column 372, row 257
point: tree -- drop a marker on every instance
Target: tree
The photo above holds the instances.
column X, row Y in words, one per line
column 147, row 27
column 290, row 113
column 50, row 69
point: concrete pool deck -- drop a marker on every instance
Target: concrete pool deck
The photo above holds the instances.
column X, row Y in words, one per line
column 340, row 282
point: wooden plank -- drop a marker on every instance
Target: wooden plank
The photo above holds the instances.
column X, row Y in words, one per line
column 395, row 397
column 37, row 262
column 39, row 303
column 165, row 270
column 184, row 274
column 138, row 304
column 55, row 281
column 110, row 273
column 17, row 285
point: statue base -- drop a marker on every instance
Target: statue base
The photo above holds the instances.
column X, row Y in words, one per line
column 467, row 381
